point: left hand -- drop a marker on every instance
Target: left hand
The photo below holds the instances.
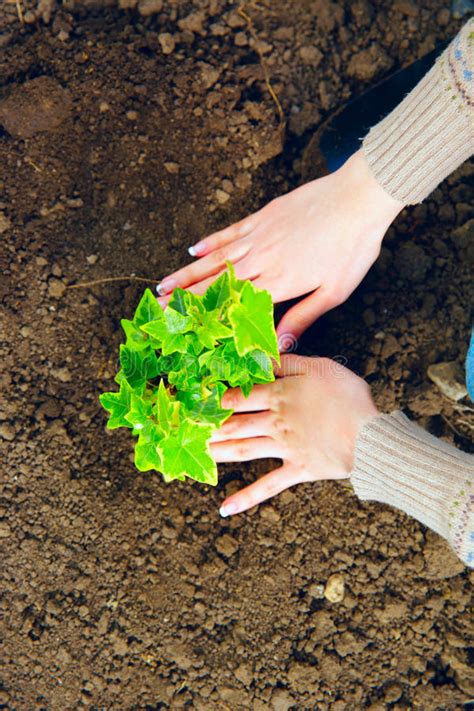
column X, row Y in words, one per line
column 309, row 417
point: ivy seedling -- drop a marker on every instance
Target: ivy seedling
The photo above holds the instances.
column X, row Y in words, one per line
column 177, row 363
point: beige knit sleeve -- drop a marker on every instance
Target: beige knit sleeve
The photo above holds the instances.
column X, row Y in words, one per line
column 398, row 463
column 431, row 132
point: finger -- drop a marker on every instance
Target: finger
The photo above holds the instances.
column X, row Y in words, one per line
column 244, row 450
column 303, row 314
column 204, row 268
column 267, row 486
column 260, row 398
column 223, row 237
column 257, row 424
column 294, row 365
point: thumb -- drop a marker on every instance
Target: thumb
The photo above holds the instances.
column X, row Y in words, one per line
column 295, row 322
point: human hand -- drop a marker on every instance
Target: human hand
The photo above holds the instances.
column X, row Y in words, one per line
column 309, row 417
column 320, row 239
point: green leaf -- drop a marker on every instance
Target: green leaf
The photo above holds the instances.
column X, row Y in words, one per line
column 135, row 338
column 252, row 321
column 147, row 310
column 117, row 405
column 147, row 451
column 185, row 452
column 218, row 293
column 178, row 301
column 139, row 415
column 138, row 366
column 205, row 409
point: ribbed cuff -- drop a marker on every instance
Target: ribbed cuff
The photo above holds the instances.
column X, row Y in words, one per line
column 431, row 132
column 398, row 463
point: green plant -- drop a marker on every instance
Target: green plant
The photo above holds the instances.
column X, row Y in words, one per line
column 176, row 365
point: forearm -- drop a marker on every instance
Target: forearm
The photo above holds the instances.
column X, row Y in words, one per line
column 432, row 131
column 398, row 463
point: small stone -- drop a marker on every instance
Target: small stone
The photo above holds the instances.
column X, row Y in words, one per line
column 209, row 75
column 92, row 259
column 226, row 545
column 222, row 196
column 5, row 531
column 390, row 347
column 104, row 107
column 335, row 588
column 132, row 115
column 311, row 55
column 449, row 378
column 56, row 288
column 193, row 22
column 172, row 168
column 316, row 590
column 282, row 700
column 62, row 374
column 7, row 432
column 25, row 331
column 167, row 42
column 241, row 39
column 149, row 7
column 41, row 261
column 5, row 223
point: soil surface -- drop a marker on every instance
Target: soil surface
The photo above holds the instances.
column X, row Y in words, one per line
column 126, row 135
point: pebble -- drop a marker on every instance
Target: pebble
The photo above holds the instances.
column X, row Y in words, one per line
column 390, row 347
column 5, row 531
column 56, row 288
column 222, row 196
column 227, row 545
column 104, row 107
column 311, row 55
column 241, row 39
column 92, row 259
column 62, row 374
column 335, row 588
column 7, row 432
column 167, row 42
column 449, row 378
column 132, row 115
column 316, row 590
column 172, row 168
column 149, row 7
column 5, row 223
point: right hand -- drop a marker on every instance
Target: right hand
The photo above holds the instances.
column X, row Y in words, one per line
column 320, row 239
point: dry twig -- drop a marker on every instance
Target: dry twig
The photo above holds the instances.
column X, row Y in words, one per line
column 108, row 280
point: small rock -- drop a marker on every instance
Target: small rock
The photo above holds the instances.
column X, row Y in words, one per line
column 222, row 196
column 335, row 588
column 209, row 75
column 390, row 347
column 311, row 55
column 104, row 107
column 7, row 432
column 172, row 168
column 5, row 223
column 406, row 7
column 282, row 700
column 226, row 545
column 241, row 39
column 62, row 374
column 449, row 378
column 193, row 22
column 132, row 115
column 149, row 7
column 92, row 259
column 56, row 288
column 167, row 42
column 367, row 63
column 316, row 590
column 5, row 531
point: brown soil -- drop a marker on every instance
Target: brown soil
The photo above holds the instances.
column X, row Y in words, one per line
column 121, row 592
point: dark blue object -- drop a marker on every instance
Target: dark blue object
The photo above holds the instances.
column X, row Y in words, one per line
column 342, row 137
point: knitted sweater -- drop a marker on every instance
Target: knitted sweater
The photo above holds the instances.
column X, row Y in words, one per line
column 410, row 152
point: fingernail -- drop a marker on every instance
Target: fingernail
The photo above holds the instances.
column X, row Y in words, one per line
column 162, row 302
column 166, row 286
column 197, row 249
column 228, row 509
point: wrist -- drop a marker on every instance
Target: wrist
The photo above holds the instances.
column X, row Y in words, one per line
column 377, row 203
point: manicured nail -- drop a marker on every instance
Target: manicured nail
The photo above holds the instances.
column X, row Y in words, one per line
column 228, row 509
column 166, row 286
column 197, row 249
